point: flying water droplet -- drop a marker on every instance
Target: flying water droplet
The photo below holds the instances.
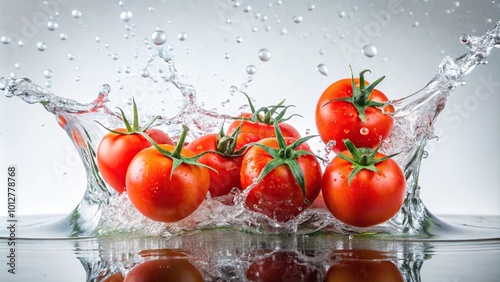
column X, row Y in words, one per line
column 369, row 51
column 52, row 25
column 298, row 19
column 182, row 36
column 114, row 56
column 126, row 16
column 311, row 7
column 227, row 56
column 5, row 39
column 47, row 73
column 63, row 36
column 239, row 39
column 144, row 73
column 265, row 55
column 323, row 69
column 251, row 69
column 71, row 56
column 283, row 31
column 159, row 37
column 41, row 46
column 247, row 9
column 342, row 14
column 76, row 14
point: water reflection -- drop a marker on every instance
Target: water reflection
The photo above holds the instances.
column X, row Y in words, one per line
column 227, row 255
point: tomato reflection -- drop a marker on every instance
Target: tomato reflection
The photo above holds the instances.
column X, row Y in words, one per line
column 362, row 265
column 174, row 269
column 282, row 266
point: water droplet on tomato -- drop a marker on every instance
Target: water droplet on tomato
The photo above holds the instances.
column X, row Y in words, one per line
column 346, row 131
column 364, row 131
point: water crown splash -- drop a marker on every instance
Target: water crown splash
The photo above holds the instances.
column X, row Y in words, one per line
column 102, row 211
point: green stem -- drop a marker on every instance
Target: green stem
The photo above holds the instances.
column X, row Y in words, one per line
column 176, row 153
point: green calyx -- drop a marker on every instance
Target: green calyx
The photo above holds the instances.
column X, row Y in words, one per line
column 175, row 154
column 226, row 144
column 360, row 96
column 269, row 114
column 134, row 127
column 286, row 155
column 362, row 158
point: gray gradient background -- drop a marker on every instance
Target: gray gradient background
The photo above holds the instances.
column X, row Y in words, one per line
column 460, row 176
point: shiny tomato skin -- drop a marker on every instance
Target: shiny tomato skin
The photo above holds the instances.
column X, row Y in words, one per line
column 162, row 197
column 115, row 151
column 339, row 120
column 278, row 195
column 160, row 270
column 227, row 174
column 371, row 198
column 251, row 131
column 362, row 265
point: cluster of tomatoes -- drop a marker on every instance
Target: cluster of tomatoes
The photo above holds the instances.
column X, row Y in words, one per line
column 167, row 182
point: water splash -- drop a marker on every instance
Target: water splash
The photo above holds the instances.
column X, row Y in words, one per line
column 415, row 116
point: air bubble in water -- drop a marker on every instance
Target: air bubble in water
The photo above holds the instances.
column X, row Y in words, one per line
column 52, row 25
column 227, row 56
column 265, row 55
column 5, row 39
column 239, row 39
column 182, row 36
column 342, row 14
column 41, row 46
column 76, row 14
column 126, row 16
column 251, row 69
column 369, row 50
column 247, row 9
column 114, row 56
column 323, row 69
column 159, row 37
column 283, row 31
column 311, row 7
column 63, row 36
column 71, row 56
column 47, row 73
column 416, row 24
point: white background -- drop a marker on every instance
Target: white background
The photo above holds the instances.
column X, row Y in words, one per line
column 460, row 176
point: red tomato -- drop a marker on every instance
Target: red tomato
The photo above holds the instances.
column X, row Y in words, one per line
column 338, row 119
column 227, row 174
column 278, row 194
column 370, row 198
column 253, row 131
column 161, row 270
column 163, row 195
column 362, row 265
column 282, row 266
column 115, row 152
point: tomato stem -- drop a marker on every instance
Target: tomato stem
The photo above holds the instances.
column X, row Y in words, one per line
column 176, row 153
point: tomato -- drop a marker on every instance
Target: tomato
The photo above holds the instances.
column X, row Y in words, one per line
column 164, row 270
column 116, row 151
column 259, row 124
column 363, row 190
column 343, row 113
column 165, row 183
column 226, row 173
column 362, row 265
column 115, row 277
column 118, row 147
column 282, row 266
column 292, row 178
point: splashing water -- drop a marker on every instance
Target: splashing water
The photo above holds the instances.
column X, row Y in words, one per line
column 102, row 211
